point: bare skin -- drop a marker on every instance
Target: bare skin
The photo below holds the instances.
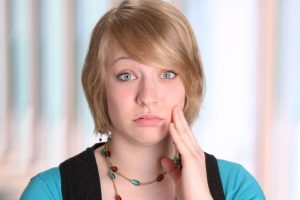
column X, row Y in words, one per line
column 144, row 105
column 188, row 184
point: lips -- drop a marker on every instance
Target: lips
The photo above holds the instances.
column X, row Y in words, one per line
column 148, row 120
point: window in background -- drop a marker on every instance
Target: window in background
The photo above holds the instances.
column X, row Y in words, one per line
column 227, row 35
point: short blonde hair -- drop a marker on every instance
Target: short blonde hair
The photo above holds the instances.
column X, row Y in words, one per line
column 151, row 32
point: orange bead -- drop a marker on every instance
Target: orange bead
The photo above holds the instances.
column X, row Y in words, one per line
column 107, row 153
column 118, row 197
column 114, row 168
column 160, row 177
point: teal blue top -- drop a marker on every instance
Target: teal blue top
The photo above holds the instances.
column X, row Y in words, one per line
column 238, row 184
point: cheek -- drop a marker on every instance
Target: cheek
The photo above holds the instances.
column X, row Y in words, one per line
column 118, row 99
column 113, row 101
column 176, row 97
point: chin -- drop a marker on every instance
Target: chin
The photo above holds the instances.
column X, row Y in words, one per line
column 150, row 137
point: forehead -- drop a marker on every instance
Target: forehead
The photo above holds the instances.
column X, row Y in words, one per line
column 117, row 53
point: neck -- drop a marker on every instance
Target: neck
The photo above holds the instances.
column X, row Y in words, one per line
column 141, row 162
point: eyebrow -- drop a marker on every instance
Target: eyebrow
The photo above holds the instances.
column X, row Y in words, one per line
column 121, row 58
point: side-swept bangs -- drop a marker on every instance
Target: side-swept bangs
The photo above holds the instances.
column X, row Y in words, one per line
column 152, row 32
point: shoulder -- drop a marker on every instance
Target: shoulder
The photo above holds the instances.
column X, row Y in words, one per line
column 237, row 182
column 48, row 184
column 45, row 185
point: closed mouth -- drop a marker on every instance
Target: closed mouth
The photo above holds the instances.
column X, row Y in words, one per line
column 148, row 120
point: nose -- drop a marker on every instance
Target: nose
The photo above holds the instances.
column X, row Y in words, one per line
column 147, row 93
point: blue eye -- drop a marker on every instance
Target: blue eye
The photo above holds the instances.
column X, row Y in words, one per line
column 126, row 77
column 168, row 75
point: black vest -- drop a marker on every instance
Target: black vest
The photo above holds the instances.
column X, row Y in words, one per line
column 80, row 178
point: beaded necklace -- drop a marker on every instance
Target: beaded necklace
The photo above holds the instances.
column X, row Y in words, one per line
column 114, row 171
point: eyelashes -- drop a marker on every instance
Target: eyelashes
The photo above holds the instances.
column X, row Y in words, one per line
column 168, row 75
column 128, row 76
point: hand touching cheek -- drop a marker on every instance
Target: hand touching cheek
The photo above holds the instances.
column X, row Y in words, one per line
column 191, row 180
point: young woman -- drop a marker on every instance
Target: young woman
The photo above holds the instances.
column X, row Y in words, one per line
column 144, row 83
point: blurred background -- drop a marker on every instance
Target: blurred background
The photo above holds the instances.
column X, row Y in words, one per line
column 251, row 112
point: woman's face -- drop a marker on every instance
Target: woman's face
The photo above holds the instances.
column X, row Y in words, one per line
column 140, row 98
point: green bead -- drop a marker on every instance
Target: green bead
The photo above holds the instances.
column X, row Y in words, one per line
column 177, row 160
column 103, row 152
column 135, row 182
column 111, row 175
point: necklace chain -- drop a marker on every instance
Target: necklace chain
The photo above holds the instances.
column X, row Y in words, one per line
column 113, row 170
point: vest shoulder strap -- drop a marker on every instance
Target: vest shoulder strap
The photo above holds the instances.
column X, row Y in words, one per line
column 79, row 177
column 214, row 178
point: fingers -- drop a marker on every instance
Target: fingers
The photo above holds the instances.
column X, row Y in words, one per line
column 182, row 133
column 187, row 128
column 178, row 131
column 170, row 167
column 180, row 145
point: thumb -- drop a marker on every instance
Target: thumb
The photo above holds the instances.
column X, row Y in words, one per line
column 171, row 169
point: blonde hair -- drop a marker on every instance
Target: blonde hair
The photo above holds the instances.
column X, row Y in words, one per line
column 151, row 32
